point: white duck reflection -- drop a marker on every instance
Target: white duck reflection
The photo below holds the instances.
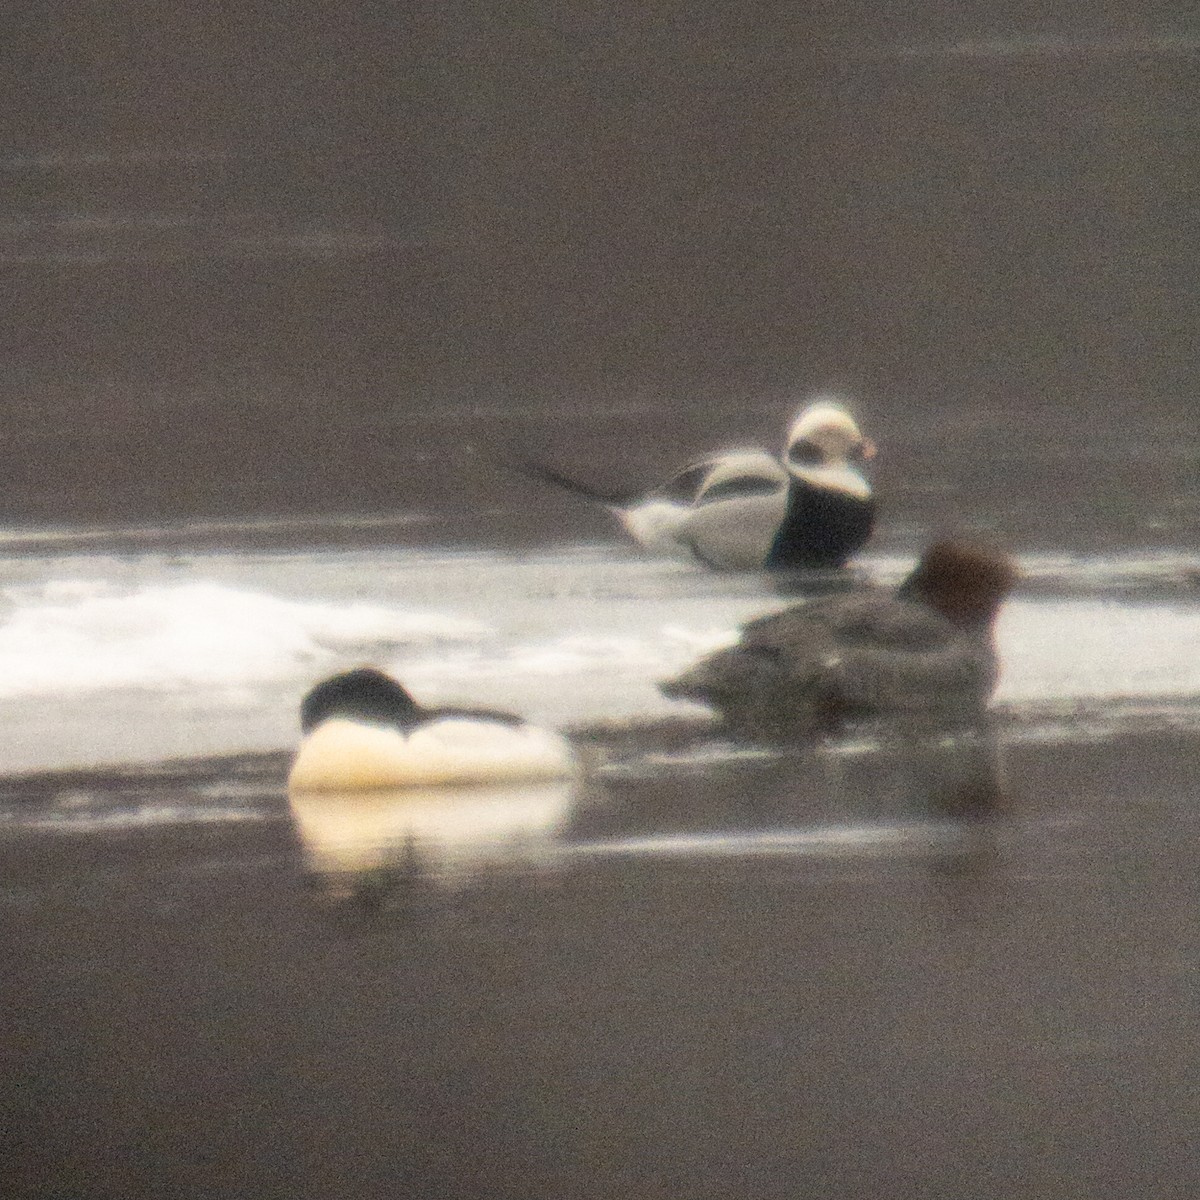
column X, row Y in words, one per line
column 447, row 834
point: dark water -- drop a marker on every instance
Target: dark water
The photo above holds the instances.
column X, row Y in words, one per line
column 291, row 260
column 1005, row 1011
column 299, row 262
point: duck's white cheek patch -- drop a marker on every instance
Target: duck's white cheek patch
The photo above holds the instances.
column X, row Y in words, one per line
column 348, row 755
column 838, row 477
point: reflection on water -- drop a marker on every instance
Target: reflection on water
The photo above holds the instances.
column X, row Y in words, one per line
column 884, row 797
column 886, row 793
column 810, row 583
column 379, row 839
column 582, row 1034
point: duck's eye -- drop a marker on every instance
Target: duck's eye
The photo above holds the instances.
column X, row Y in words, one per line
column 805, row 453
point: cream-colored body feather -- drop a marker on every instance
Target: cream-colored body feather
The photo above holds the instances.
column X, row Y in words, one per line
column 341, row 754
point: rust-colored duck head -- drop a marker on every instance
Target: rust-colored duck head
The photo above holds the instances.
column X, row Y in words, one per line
column 965, row 582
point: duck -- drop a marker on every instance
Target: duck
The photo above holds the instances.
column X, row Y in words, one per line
column 363, row 730
column 748, row 510
column 926, row 649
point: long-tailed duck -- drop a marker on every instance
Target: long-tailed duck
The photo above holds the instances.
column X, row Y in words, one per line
column 745, row 510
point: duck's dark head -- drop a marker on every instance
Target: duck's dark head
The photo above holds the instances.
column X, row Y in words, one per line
column 965, row 582
column 363, row 694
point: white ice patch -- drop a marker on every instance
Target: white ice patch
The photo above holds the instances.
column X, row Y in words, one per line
column 116, row 658
column 1097, row 649
column 83, row 636
column 701, row 641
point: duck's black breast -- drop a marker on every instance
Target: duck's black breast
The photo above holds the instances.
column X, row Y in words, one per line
column 822, row 528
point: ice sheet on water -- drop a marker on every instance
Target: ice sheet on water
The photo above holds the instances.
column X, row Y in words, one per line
column 107, row 659
column 1097, row 649
column 73, row 636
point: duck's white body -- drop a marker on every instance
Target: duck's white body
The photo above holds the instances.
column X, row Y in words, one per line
column 730, row 518
column 345, row 754
column 746, row 509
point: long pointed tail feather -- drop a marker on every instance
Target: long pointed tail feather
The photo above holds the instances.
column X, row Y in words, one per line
column 546, row 474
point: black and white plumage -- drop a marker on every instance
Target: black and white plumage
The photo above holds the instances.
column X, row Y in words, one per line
column 925, row 649
column 363, row 730
column 746, row 510
column 830, row 510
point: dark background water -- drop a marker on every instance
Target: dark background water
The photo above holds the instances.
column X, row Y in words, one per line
column 285, row 257
column 183, row 1017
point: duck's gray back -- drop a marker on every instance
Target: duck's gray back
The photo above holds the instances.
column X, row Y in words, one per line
column 843, row 657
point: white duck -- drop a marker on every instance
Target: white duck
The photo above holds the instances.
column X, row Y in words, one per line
column 745, row 510
column 363, row 730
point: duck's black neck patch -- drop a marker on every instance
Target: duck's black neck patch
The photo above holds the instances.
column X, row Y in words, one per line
column 822, row 528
